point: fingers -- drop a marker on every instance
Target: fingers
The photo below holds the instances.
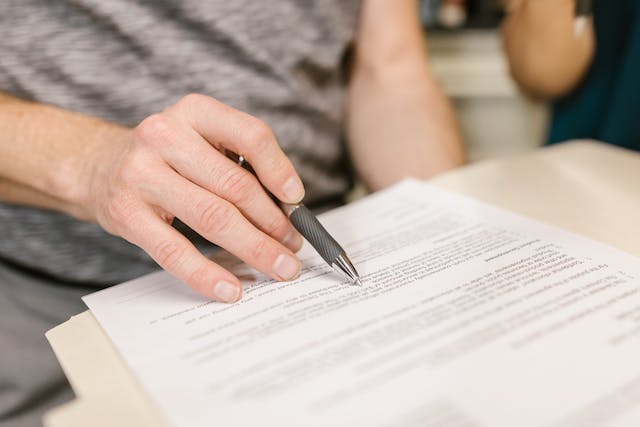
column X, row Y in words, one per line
column 223, row 126
column 242, row 189
column 195, row 159
column 221, row 223
column 239, row 187
column 210, row 193
column 175, row 254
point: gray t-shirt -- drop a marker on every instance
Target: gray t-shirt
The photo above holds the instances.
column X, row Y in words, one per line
column 122, row 60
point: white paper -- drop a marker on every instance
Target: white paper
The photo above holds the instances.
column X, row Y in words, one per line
column 469, row 316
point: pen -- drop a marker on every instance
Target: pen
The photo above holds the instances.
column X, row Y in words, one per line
column 582, row 14
column 313, row 231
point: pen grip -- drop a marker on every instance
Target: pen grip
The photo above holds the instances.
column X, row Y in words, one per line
column 308, row 225
column 303, row 220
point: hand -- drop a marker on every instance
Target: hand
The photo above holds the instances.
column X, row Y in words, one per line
column 173, row 165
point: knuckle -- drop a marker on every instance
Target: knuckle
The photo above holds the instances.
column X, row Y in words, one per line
column 276, row 226
column 200, row 278
column 259, row 135
column 282, row 164
column 153, row 129
column 214, row 217
column 169, row 254
column 192, row 98
column 120, row 213
column 259, row 249
column 235, row 182
column 191, row 102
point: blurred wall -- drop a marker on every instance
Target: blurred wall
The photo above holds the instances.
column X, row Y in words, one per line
column 494, row 117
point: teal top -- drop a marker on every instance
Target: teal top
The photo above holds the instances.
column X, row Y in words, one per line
column 606, row 105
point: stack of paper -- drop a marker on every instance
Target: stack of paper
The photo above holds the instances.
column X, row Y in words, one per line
column 469, row 316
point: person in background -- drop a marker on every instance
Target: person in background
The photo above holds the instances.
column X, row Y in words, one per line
column 450, row 14
column 589, row 72
column 114, row 121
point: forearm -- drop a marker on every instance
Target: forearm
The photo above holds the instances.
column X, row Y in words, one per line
column 399, row 122
column 43, row 152
column 546, row 57
column 19, row 194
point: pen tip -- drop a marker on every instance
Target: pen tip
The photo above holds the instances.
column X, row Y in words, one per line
column 357, row 281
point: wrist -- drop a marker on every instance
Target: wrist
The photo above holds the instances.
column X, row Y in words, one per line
column 76, row 182
column 59, row 152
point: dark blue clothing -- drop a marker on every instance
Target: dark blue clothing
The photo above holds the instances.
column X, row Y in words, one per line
column 606, row 105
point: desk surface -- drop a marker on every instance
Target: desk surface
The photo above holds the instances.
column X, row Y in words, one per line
column 585, row 187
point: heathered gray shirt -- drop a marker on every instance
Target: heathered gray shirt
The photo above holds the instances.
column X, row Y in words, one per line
column 122, row 60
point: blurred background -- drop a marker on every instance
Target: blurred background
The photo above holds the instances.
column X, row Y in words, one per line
column 467, row 57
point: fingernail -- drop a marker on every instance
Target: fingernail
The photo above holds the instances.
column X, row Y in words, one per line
column 286, row 267
column 226, row 292
column 293, row 240
column 293, row 190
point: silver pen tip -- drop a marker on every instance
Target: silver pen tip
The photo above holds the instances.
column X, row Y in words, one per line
column 343, row 265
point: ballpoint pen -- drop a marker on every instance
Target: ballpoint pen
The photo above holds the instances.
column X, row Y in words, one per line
column 313, row 231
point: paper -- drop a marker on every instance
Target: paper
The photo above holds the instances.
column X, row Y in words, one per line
column 469, row 316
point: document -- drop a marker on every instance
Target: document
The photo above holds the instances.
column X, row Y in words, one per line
column 468, row 316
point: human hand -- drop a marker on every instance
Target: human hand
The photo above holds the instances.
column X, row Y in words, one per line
column 173, row 165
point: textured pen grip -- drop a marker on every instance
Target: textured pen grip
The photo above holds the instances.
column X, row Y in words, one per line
column 311, row 229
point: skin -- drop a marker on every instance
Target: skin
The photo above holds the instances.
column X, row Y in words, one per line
column 399, row 122
column 546, row 58
column 134, row 181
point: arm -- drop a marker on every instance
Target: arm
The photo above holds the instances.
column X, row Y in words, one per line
column 133, row 182
column 547, row 59
column 41, row 156
column 399, row 122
